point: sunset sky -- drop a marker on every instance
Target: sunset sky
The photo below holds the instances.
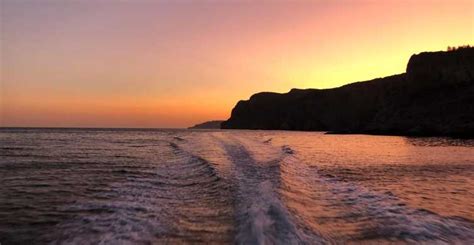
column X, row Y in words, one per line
column 176, row 63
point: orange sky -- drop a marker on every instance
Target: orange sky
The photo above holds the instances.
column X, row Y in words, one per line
column 158, row 63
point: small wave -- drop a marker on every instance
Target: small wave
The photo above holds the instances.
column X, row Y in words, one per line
column 178, row 138
column 123, row 156
column 173, row 145
column 286, row 149
column 14, row 148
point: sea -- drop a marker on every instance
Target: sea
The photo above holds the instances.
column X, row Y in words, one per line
column 167, row 186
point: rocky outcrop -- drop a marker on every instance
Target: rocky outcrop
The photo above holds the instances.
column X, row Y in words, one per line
column 208, row 125
column 434, row 97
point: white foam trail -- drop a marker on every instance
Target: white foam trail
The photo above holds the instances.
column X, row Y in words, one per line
column 262, row 216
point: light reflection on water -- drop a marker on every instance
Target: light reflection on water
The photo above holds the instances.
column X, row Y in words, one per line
column 257, row 187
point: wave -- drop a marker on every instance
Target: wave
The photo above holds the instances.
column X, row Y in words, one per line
column 286, row 149
column 267, row 141
column 178, row 138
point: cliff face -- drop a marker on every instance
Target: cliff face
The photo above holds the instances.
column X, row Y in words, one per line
column 434, row 97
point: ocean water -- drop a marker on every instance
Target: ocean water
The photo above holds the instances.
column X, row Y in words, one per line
column 78, row 186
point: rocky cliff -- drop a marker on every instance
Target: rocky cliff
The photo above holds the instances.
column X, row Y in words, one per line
column 434, row 97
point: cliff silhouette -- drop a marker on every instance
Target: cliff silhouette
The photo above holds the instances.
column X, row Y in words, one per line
column 216, row 124
column 435, row 97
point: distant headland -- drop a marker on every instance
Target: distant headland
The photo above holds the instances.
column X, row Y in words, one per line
column 216, row 124
column 435, row 97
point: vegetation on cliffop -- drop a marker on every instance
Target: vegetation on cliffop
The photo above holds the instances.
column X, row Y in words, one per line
column 454, row 48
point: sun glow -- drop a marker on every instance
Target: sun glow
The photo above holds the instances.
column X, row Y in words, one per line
column 162, row 64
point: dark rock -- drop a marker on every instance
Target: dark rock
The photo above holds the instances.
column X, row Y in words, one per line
column 434, row 97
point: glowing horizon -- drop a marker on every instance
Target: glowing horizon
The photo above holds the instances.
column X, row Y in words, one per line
column 174, row 64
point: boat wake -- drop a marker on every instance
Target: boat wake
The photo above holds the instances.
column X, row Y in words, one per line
column 261, row 215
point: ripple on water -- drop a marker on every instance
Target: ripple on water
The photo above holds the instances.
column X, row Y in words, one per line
column 133, row 186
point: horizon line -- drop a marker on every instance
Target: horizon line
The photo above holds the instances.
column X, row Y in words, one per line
column 52, row 127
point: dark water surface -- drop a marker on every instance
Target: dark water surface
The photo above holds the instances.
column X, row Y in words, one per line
column 78, row 186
